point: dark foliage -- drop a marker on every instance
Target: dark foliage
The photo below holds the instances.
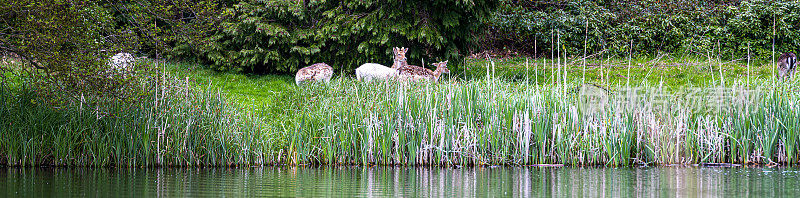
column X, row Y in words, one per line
column 284, row 35
column 65, row 45
column 724, row 27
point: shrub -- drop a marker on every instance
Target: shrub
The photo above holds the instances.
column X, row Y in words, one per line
column 758, row 22
column 696, row 27
column 65, row 48
column 282, row 36
column 71, row 54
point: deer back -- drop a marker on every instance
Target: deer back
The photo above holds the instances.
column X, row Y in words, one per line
column 317, row 72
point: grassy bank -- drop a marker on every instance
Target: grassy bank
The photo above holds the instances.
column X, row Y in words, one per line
column 221, row 119
column 492, row 122
column 179, row 126
column 671, row 71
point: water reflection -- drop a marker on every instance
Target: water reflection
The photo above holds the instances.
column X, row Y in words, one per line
column 401, row 181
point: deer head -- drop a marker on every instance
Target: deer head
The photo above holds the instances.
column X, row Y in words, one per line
column 399, row 57
column 441, row 68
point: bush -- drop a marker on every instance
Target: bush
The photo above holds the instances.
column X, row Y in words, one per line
column 282, row 35
column 752, row 23
column 66, row 49
column 70, row 54
column 697, row 27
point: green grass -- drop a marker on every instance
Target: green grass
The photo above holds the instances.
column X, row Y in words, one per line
column 257, row 91
column 668, row 71
column 174, row 127
column 671, row 72
column 243, row 87
column 471, row 118
column 490, row 121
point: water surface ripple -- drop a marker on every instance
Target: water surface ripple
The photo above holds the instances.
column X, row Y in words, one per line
column 401, row 182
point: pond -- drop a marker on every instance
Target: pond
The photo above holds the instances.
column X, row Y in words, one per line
column 683, row 181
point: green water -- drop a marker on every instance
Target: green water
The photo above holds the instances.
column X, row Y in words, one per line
column 401, row 181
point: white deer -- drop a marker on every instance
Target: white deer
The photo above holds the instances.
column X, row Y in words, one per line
column 122, row 62
column 374, row 71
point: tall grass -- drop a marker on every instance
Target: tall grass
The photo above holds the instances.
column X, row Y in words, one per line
column 475, row 122
column 492, row 121
column 178, row 126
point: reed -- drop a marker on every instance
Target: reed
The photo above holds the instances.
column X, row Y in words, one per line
column 179, row 126
column 482, row 121
column 492, row 121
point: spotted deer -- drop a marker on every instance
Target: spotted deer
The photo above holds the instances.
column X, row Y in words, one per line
column 316, row 72
column 417, row 73
column 374, row 71
column 787, row 63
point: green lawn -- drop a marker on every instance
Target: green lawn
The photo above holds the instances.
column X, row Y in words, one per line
column 673, row 73
column 243, row 87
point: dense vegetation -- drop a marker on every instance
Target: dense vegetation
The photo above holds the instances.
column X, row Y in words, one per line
column 283, row 36
column 199, row 117
column 65, row 45
column 287, row 35
column 60, row 106
column 729, row 28
column 175, row 125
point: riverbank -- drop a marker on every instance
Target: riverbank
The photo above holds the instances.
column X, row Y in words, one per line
column 471, row 118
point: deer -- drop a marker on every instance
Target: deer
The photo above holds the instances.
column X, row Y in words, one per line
column 122, row 62
column 316, row 72
column 787, row 63
column 417, row 73
column 373, row 71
